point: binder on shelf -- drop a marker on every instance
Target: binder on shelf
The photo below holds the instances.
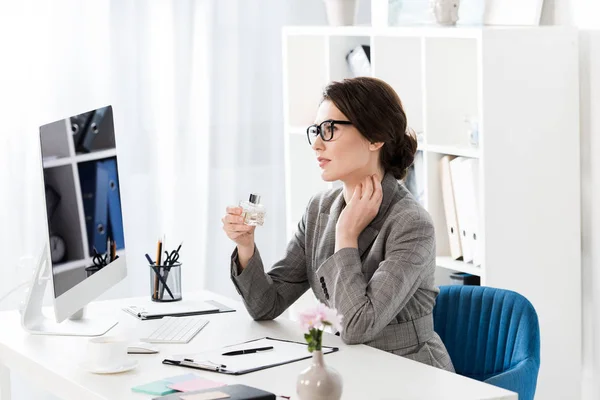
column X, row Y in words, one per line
column 461, row 206
column 87, row 181
column 471, row 171
column 100, row 234
column 463, row 182
column 452, row 226
column 115, row 217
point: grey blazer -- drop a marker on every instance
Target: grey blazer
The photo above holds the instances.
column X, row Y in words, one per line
column 384, row 289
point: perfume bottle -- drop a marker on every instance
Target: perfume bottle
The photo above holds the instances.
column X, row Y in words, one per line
column 253, row 212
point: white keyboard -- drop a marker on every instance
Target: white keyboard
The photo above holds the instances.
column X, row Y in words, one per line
column 174, row 329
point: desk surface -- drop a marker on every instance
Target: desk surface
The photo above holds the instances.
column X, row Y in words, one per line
column 52, row 361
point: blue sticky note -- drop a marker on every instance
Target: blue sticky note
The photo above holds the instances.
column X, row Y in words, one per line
column 155, row 388
column 181, row 378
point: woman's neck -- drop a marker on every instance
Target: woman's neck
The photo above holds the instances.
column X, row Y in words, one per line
column 351, row 182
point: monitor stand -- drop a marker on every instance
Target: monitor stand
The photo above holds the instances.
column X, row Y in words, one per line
column 35, row 322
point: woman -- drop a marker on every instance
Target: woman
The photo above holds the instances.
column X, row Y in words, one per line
column 367, row 249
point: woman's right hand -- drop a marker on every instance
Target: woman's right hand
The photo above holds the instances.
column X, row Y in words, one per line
column 237, row 231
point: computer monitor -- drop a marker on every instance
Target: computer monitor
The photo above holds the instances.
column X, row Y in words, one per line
column 85, row 243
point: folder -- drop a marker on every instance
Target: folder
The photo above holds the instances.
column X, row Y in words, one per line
column 115, row 217
column 471, row 172
column 452, row 226
column 284, row 352
column 463, row 182
column 101, row 208
column 229, row 392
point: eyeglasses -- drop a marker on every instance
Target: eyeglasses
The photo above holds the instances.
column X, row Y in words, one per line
column 326, row 129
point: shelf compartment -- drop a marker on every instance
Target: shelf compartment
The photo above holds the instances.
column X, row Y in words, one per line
column 397, row 60
column 65, row 221
column 104, row 138
column 305, row 76
column 451, row 85
column 339, row 47
column 54, row 141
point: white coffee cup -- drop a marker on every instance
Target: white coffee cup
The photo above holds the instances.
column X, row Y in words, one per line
column 106, row 352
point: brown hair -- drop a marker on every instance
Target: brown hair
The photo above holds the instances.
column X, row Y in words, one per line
column 375, row 109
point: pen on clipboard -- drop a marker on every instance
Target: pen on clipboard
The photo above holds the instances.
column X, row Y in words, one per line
column 247, row 351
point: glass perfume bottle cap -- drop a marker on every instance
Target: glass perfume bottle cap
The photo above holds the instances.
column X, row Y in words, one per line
column 254, row 198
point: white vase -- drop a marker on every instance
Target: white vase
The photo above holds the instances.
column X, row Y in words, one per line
column 319, row 382
column 341, row 12
column 446, row 11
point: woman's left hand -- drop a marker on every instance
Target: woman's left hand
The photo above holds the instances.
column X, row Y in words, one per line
column 359, row 212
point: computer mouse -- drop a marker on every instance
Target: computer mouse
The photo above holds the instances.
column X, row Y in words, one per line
column 142, row 348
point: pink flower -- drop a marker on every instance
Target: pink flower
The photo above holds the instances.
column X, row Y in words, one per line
column 320, row 316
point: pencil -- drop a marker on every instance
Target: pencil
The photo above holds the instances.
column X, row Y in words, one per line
column 158, row 251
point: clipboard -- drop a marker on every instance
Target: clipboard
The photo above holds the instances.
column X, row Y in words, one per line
column 285, row 352
column 167, row 310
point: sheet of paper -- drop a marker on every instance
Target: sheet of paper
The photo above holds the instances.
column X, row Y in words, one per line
column 205, row 396
column 195, row 384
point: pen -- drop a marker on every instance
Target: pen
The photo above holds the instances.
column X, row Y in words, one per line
column 247, row 351
column 158, row 251
column 149, row 259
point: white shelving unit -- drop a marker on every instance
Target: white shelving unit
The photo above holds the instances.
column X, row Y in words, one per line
column 521, row 84
column 61, row 165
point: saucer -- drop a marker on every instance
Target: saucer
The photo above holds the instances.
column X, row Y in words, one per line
column 127, row 366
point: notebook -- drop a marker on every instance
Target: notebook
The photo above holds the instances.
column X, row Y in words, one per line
column 179, row 383
column 179, row 309
column 230, row 392
column 154, row 388
column 283, row 352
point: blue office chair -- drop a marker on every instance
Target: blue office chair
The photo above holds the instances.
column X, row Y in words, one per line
column 492, row 335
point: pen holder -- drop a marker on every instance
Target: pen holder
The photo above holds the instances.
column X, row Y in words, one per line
column 169, row 275
column 91, row 270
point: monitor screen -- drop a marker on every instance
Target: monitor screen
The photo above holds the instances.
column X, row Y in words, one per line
column 83, row 203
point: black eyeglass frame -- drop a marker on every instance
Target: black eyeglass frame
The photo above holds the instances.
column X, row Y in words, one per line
column 320, row 130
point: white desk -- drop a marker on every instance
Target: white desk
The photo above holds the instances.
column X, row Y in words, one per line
column 51, row 362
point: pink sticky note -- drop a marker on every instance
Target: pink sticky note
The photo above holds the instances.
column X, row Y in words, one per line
column 195, row 384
